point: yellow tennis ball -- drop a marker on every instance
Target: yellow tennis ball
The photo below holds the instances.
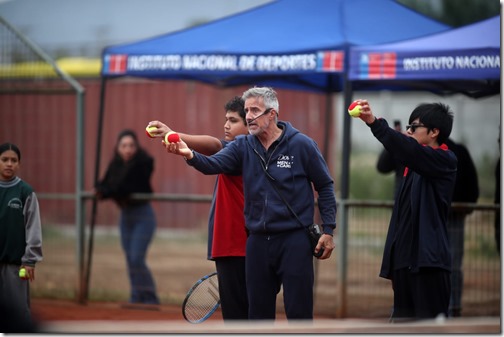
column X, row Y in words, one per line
column 22, row 273
column 149, row 129
column 355, row 109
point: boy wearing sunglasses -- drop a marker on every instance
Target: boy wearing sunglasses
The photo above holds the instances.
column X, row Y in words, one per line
column 417, row 255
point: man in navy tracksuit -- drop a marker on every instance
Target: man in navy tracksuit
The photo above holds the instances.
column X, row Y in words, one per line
column 417, row 251
column 278, row 250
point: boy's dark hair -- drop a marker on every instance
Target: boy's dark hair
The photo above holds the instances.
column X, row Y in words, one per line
column 236, row 104
column 9, row 146
column 434, row 116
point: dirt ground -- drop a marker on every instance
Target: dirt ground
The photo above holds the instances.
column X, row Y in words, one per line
column 177, row 261
column 66, row 310
column 44, row 310
column 68, row 317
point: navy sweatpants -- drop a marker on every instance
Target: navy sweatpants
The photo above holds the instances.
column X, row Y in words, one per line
column 421, row 295
column 283, row 259
column 232, row 287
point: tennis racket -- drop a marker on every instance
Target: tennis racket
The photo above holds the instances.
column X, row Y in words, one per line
column 202, row 299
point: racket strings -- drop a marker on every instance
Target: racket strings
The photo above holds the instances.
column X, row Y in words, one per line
column 203, row 300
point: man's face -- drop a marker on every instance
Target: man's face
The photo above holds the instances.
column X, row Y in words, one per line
column 256, row 122
column 234, row 126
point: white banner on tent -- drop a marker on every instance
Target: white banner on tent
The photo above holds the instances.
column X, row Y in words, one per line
column 450, row 62
column 323, row 61
column 392, row 65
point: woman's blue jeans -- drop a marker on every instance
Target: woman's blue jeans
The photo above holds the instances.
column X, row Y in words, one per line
column 137, row 225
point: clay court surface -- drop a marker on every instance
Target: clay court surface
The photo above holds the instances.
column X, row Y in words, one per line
column 57, row 316
column 369, row 297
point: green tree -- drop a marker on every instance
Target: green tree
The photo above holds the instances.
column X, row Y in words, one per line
column 455, row 13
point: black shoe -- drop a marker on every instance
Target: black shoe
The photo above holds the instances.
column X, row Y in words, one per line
column 455, row 312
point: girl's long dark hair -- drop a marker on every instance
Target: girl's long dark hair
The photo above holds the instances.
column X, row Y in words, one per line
column 9, row 146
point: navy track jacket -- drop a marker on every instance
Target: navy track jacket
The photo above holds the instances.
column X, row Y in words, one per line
column 433, row 177
column 295, row 162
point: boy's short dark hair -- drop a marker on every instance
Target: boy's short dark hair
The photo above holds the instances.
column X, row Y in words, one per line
column 434, row 116
column 236, row 104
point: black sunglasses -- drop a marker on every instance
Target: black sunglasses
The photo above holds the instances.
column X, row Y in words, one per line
column 413, row 127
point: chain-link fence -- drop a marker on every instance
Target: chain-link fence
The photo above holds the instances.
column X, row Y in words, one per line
column 367, row 230
column 177, row 258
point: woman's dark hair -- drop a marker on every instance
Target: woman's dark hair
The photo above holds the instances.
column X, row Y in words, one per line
column 434, row 116
column 9, row 146
column 127, row 132
column 124, row 133
column 236, row 104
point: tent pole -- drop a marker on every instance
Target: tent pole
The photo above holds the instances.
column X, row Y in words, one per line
column 327, row 126
column 347, row 135
column 343, row 210
column 85, row 286
column 325, row 153
column 80, row 201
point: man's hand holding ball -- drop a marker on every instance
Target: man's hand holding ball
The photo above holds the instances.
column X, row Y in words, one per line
column 172, row 137
column 175, row 144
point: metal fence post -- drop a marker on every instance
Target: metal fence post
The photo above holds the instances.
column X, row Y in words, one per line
column 342, row 259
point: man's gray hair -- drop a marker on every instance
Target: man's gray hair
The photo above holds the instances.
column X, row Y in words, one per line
column 268, row 94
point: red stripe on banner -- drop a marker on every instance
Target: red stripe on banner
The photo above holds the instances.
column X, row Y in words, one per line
column 327, row 61
column 389, row 65
column 117, row 64
column 375, row 65
column 338, row 60
column 124, row 61
column 112, row 64
column 333, row 61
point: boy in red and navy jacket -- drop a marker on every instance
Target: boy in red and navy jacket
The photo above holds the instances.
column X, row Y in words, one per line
column 417, row 256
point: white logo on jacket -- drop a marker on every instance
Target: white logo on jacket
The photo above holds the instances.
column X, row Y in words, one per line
column 285, row 161
column 15, row 203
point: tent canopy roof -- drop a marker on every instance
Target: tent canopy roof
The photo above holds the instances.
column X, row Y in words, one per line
column 293, row 26
column 480, row 35
column 465, row 59
column 283, row 43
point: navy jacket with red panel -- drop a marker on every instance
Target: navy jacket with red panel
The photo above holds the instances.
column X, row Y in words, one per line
column 433, row 172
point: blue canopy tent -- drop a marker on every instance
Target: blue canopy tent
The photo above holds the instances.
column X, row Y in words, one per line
column 464, row 60
column 291, row 44
column 295, row 44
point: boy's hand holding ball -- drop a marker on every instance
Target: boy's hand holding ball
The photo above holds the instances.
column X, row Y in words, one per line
column 360, row 108
column 149, row 130
column 156, row 129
